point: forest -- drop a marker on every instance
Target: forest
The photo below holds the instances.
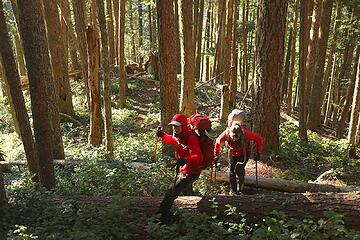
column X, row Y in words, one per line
column 85, row 86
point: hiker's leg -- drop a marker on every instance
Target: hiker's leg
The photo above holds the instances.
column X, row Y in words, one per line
column 173, row 192
column 191, row 178
column 232, row 174
column 240, row 171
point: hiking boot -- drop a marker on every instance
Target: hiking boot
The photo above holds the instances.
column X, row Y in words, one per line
column 234, row 193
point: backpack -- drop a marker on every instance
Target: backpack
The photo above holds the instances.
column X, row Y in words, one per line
column 201, row 126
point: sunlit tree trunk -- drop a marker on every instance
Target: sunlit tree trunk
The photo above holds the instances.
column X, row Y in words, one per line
column 234, row 54
column 187, row 96
column 177, row 50
column 72, row 40
column 131, row 23
column 330, row 100
column 269, row 43
column 289, row 94
column 348, row 98
column 116, row 17
column 316, row 90
column 225, row 94
column 5, row 91
column 198, row 41
column 106, row 68
column 355, row 109
column 219, row 46
column 38, row 64
column 17, row 39
column 245, row 67
column 140, row 27
column 305, row 11
column 122, row 73
column 167, row 70
column 326, row 80
column 17, row 98
column 110, row 29
column 93, row 49
column 61, row 78
column 79, row 15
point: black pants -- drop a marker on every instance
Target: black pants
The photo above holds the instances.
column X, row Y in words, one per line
column 237, row 169
column 182, row 185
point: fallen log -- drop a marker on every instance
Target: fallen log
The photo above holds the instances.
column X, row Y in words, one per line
column 284, row 185
column 296, row 205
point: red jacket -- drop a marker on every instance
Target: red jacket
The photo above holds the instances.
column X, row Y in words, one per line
column 187, row 147
column 236, row 148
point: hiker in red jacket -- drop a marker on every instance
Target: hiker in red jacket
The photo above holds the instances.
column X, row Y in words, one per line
column 235, row 137
column 189, row 160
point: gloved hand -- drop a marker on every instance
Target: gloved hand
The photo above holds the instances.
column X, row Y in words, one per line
column 159, row 132
column 216, row 160
column 257, row 156
column 181, row 162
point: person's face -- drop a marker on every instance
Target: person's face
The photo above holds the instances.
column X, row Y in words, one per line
column 177, row 129
column 234, row 137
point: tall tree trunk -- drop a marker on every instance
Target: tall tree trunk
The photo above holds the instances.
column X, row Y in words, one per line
column 79, row 15
column 107, row 83
column 17, row 98
column 198, row 38
column 61, row 77
column 177, row 50
column 269, row 42
column 140, row 25
column 348, row 99
column 234, row 55
column 151, row 29
column 328, row 68
column 187, row 96
column 225, row 94
column 245, row 61
column 316, row 90
column 285, row 80
column 330, row 100
column 17, row 38
column 355, row 109
column 207, row 42
column 37, row 57
column 131, row 23
column 93, row 49
column 110, row 29
column 305, row 10
column 312, row 54
column 168, row 82
column 219, row 47
column 122, row 73
column 116, row 17
column 72, row 40
column 289, row 94
column 5, row 91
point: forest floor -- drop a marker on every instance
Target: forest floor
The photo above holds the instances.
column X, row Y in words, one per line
column 148, row 93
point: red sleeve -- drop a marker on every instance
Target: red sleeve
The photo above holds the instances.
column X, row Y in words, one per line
column 256, row 138
column 195, row 156
column 220, row 139
column 169, row 139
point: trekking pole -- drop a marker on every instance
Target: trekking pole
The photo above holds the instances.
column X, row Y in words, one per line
column 256, row 174
column 176, row 175
column 156, row 144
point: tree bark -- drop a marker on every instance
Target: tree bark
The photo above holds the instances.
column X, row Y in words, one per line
column 355, row 109
column 225, row 93
column 167, row 71
column 140, row 27
column 312, row 57
column 107, row 83
column 13, row 81
column 270, row 42
column 289, row 94
column 37, row 57
column 187, row 95
column 122, row 73
column 305, row 9
column 316, row 90
column 61, row 78
column 110, row 29
column 348, row 99
column 198, row 38
column 117, row 22
column 93, row 48
column 79, row 15
column 329, row 106
column 234, row 56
